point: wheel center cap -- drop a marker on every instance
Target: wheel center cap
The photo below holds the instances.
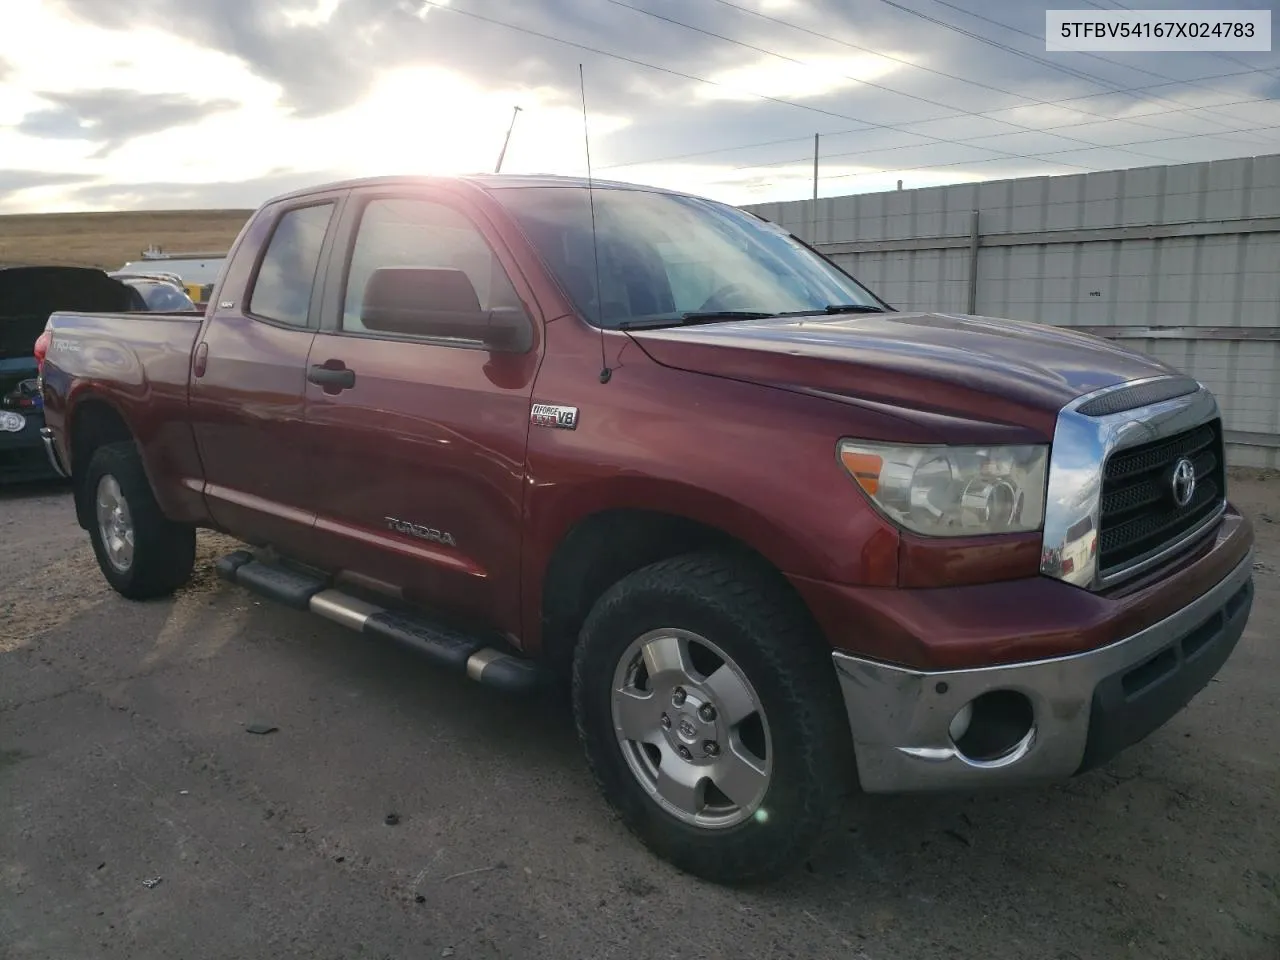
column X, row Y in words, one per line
column 687, row 730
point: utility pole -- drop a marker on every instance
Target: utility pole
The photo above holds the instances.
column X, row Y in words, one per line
column 813, row 238
column 815, row 167
column 498, row 168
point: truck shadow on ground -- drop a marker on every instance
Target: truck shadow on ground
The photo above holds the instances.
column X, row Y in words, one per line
column 1172, row 843
column 1149, row 844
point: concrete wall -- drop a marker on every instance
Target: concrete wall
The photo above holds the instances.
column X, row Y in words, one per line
column 1182, row 262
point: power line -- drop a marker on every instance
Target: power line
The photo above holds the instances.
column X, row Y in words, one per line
column 967, row 141
column 935, row 166
column 1226, row 57
column 1030, row 101
column 1091, row 56
column 689, row 76
column 1043, row 156
column 955, row 111
column 805, row 63
column 1069, row 71
column 914, row 146
column 868, row 124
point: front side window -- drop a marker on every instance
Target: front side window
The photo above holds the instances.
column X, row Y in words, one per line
column 282, row 291
column 662, row 256
column 421, row 233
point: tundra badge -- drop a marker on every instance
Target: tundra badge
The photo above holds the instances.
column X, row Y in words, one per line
column 421, row 532
column 554, row 415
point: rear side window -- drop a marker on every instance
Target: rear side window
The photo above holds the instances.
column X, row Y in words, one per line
column 421, row 233
column 282, row 291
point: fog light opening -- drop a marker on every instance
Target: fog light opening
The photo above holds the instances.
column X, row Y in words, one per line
column 960, row 722
column 991, row 727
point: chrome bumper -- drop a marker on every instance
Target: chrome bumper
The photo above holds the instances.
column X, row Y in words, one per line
column 1085, row 707
column 51, row 452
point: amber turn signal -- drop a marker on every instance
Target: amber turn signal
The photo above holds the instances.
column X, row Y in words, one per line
column 865, row 469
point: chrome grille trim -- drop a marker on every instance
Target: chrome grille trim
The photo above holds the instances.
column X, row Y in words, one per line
column 1082, row 445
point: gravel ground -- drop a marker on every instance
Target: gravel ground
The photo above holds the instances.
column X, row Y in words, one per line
column 139, row 818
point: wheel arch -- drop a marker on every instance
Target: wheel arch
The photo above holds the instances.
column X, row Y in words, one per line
column 94, row 422
column 601, row 547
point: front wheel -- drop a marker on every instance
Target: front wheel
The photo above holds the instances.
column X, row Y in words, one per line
column 711, row 717
column 141, row 552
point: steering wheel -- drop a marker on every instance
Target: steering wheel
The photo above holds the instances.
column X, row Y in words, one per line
column 727, row 292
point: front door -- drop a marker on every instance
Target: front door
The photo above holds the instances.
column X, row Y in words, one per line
column 246, row 396
column 419, row 459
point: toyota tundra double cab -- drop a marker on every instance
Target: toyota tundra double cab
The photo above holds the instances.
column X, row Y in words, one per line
column 781, row 542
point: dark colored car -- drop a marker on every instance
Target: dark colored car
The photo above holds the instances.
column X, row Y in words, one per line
column 780, row 540
column 28, row 295
column 197, row 271
column 159, row 294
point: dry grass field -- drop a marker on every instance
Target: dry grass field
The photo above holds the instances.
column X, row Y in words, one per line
column 109, row 240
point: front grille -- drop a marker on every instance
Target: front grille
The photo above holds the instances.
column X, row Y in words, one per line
column 1138, row 513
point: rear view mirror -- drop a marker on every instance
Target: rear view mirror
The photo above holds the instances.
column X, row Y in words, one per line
column 440, row 302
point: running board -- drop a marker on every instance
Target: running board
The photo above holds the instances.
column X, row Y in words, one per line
column 446, row 646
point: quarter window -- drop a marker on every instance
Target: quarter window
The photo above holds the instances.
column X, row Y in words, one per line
column 421, row 233
column 282, row 291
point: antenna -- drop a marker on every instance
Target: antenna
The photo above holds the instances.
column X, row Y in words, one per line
column 605, row 373
column 498, row 168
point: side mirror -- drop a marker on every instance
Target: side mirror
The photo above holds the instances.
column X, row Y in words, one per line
column 440, row 302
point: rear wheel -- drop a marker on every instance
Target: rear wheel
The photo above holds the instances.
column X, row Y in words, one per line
column 141, row 552
column 711, row 717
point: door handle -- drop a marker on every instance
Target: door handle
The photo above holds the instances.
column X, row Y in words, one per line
column 331, row 378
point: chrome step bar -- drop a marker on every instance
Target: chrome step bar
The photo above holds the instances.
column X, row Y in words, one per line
column 479, row 658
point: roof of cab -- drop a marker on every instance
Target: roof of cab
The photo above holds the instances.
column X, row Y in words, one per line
column 486, row 182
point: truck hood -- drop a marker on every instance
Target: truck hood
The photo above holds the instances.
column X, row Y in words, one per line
column 975, row 368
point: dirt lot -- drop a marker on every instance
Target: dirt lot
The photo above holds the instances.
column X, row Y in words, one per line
column 109, row 240
column 138, row 818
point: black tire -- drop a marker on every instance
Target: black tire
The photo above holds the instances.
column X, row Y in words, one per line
column 164, row 552
column 764, row 629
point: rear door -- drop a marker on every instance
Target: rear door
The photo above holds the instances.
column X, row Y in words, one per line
column 419, row 462
column 249, row 371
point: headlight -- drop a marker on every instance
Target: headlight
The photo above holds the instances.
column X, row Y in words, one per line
column 952, row 491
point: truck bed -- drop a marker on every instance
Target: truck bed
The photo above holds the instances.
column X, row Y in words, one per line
column 137, row 366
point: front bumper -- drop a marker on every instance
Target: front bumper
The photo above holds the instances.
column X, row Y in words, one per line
column 22, row 454
column 1084, row 708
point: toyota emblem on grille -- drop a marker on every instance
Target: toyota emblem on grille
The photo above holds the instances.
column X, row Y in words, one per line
column 1182, row 482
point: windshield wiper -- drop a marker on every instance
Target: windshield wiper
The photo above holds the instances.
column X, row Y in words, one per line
column 692, row 318
column 852, row 308
column 833, row 308
column 711, row 316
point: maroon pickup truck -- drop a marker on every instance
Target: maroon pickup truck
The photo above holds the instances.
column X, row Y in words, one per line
column 782, row 541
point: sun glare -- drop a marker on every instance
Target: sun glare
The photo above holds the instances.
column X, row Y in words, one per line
column 796, row 81
column 434, row 121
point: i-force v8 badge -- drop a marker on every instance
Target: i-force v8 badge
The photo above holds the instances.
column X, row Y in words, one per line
column 554, row 415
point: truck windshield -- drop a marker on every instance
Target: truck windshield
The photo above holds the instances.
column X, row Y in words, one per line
column 664, row 257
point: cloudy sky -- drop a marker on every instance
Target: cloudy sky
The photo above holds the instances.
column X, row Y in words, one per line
column 190, row 103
